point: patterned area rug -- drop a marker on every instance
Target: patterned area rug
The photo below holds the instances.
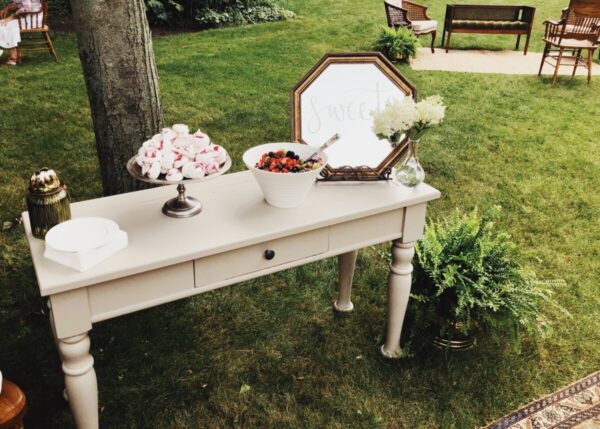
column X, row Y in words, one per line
column 574, row 407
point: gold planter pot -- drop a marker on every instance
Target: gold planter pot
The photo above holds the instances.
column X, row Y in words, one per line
column 48, row 202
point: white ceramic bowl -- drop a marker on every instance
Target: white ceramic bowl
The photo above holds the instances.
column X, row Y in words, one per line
column 283, row 190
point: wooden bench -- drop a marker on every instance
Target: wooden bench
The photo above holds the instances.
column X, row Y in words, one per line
column 488, row 19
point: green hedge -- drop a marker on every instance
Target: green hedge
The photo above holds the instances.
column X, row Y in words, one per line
column 59, row 8
column 215, row 13
column 201, row 13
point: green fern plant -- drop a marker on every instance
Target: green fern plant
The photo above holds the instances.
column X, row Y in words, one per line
column 396, row 44
column 467, row 274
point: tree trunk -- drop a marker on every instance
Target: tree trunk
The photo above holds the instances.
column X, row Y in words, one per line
column 115, row 48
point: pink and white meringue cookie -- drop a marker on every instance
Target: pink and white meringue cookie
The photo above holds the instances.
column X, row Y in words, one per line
column 187, row 151
column 203, row 158
column 182, row 141
column 218, row 153
column 168, row 134
column 194, row 170
column 201, row 140
column 163, row 145
column 157, row 139
column 212, row 167
column 149, row 144
column 180, row 161
column 174, row 175
column 181, row 129
column 148, row 148
column 177, row 154
column 200, row 144
column 152, row 170
column 139, row 160
column 167, row 162
column 151, row 155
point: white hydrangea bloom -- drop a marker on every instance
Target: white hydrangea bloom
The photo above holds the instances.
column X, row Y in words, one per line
column 431, row 111
column 397, row 115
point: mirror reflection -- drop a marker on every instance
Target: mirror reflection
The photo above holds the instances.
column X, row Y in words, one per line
column 341, row 100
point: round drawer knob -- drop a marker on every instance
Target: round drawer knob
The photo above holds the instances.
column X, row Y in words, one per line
column 269, row 254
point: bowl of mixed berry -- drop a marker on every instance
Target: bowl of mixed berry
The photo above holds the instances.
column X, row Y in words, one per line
column 285, row 172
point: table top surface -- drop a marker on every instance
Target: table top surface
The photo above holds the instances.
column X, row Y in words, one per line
column 234, row 215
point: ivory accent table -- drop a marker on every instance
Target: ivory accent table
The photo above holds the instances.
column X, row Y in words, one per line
column 169, row 259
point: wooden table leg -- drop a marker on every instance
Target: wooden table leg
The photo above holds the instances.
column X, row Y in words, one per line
column 80, row 380
column 399, row 283
column 346, row 264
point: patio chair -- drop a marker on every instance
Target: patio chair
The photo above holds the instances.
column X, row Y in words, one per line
column 403, row 13
column 32, row 24
column 571, row 19
column 576, row 31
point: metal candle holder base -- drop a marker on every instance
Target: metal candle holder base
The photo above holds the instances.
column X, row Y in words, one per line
column 182, row 205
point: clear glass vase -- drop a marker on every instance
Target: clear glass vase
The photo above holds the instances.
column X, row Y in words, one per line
column 409, row 172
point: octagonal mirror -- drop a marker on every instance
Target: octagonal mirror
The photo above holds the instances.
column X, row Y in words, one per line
column 338, row 96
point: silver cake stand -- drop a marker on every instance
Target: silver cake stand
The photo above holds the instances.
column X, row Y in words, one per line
column 181, row 206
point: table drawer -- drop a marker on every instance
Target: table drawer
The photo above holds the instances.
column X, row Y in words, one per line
column 140, row 291
column 366, row 231
column 227, row 265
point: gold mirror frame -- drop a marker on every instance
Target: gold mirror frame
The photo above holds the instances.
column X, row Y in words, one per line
column 359, row 173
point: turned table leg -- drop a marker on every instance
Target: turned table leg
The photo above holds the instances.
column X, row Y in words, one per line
column 399, row 283
column 80, row 380
column 56, row 343
column 346, row 264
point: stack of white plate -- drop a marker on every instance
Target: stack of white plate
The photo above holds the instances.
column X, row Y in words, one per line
column 84, row 242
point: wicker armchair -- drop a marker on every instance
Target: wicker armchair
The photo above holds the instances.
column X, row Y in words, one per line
column 571, row 19
column 403, row 13
column 36, row 23
column 578, row 30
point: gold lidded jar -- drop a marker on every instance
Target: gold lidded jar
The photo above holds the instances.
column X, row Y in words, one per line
column 48, row 202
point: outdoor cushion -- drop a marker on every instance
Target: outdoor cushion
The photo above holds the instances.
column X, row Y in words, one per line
column 489, row 25
column 570, row 43
column 489, row 13
column 35, row 30
column 424, row 25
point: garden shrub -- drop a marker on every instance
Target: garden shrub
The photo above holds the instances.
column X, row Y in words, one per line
column 200, row 13
column 59, row 8
column 164, row 12
column 215, row 13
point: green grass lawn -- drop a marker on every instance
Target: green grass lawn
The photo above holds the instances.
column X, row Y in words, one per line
column 509, row 140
